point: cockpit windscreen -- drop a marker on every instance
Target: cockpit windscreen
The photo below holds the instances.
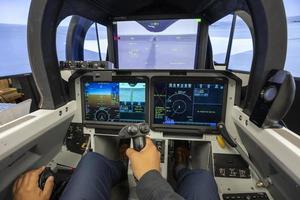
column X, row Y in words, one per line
column 193, row 103
column 115, row 102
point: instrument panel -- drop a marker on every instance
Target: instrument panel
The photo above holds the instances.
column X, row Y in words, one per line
column 195, row 101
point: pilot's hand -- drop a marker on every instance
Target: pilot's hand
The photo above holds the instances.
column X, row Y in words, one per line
column 145, row 160
column 26, row 187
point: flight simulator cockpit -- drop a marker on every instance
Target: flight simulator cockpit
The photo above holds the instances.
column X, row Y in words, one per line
column 231, row 130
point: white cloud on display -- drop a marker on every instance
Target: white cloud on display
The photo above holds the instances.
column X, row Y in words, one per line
column 239, row 45
column 92, row 45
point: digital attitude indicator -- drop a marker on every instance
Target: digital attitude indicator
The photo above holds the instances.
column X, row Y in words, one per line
column 115, row 101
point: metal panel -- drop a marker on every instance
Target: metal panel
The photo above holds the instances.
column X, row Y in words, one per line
column 33, row 142
column 273, row 154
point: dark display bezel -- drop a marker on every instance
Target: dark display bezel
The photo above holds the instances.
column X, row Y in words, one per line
column 186, row 79
column 109, row 124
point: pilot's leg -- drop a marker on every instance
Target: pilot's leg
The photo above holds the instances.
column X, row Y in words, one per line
column 93, row 178
column 197, row 185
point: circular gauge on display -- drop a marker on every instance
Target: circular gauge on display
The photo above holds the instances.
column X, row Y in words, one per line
column 102, row 115
column 179, row 106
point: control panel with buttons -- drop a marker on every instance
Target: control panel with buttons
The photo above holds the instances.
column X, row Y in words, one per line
column 246, row 196
column 160, row 145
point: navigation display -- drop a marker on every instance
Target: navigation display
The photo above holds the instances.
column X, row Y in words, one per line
column 188, row 103
column 115, row 101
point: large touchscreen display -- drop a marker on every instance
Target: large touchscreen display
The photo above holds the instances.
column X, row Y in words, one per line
column 115, row 101
column 188, row 103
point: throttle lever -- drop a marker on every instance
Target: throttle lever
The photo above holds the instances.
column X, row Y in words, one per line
column 222, row 128
column 137, row 132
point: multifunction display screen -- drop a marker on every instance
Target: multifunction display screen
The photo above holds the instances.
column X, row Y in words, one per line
column 115, row 101
column 188, row 103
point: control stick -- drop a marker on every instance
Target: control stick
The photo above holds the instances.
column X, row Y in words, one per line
column 138, row 134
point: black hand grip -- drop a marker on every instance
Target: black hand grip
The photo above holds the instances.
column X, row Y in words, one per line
column 139, row 143
column 44, row 176
column 225, row 135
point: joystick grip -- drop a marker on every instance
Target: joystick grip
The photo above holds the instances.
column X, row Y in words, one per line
column 44, row 176
column 136, row 132
column 139, row 143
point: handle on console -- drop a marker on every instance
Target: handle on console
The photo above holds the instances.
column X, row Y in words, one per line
column 222, row 128
column 44, row 176
column 139, row 143
column 137, row 132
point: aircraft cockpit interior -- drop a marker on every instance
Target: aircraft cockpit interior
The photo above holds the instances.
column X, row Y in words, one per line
column 141, row 89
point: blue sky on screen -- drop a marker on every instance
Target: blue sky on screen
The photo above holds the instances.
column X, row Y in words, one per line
column 100, row 89
column 292, row 7
column 16, row 11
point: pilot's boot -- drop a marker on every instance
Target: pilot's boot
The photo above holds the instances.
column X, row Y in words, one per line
column 181, row 160
column 122, row 152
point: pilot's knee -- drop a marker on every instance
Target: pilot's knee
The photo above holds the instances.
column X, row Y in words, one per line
column 200, row 177
column 204, row 174
column 92, row 157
